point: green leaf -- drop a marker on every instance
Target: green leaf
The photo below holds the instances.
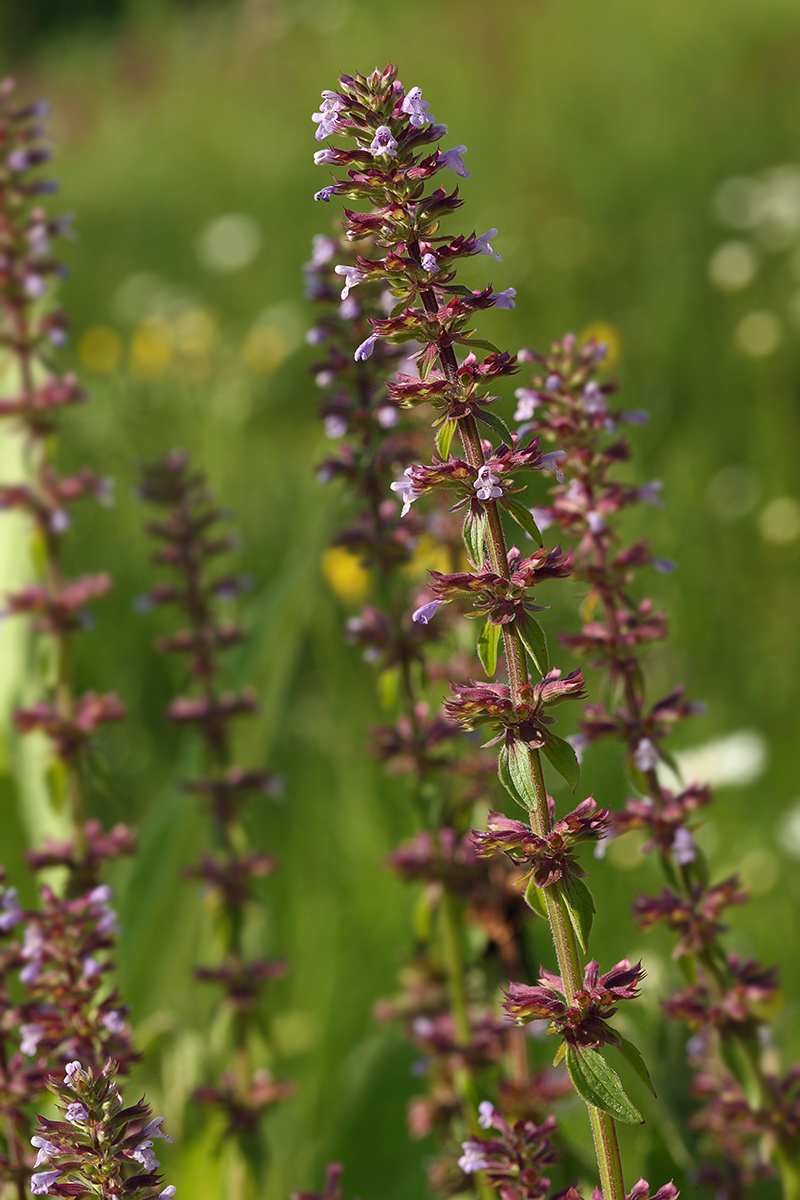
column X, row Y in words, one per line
column 56, row 781
column 519, row 513
column 533, row 639
column 634, row 1059
column 488, row 641
column 561, row 755
column 444, row 437
column 534, row 898
column 473, row 532
column 521, row 772
column 599, row 1085
column 472, row 342
column 579, row 902
column 560, row 1052
column 494, row 422
column 389, row 687
column 504, row 775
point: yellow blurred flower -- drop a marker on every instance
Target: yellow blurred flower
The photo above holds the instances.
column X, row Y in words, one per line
column 429, row 555
column 344, row 574
column 100, row 348
column 602, row 332
column 151, row 348
column 265, row 348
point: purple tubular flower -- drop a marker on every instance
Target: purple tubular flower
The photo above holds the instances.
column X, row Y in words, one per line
column 75, row 1112
column 31, row 1036
column 365, row 349
column 504, row 299
column 483, row 245
column 683, row 848
column 405, row 487
column 644, row 756
column 326, row 118
column 593, row 399
column 664, row 565
column 472, row 1159
column 423, row 614
column 416, row 108
column 144, row 1154
column 41, row 1182
column 383, row 142
column 429, row 263
column 595, row 522
column 45, row 1150
column 11, row 913
column 168, row 1192
column 153, row 1130
column 454, row 162
column 549, row 462
column 527, row 404
column 650, row 493
column 637, row 416
column 324, row 156
column 352, row 277
column 553, row 383
column 486, row 1114
column 325, row 193
column 486, row 485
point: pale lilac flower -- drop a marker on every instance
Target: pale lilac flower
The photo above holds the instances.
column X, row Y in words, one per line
column 405, row 488
column 335, row 426
column 46, row 1150
column 316, row 336
column 664, row 565
column 579, row 742
column 71, row 1070
column 504, row 299
column 650, row 493
column 325, row 377
column 168, row 1192
column 602, row 846
column 429, row 263
column 113, row 1021
column 18, row 161
column 553, row 383
column 40, row 1183
column 483, row 245
column 322, row 250
column 348, row 309
column 528, row 402
column 549, row 462
column 423, row 614
column 454, row 162
column 486, row 485
column 595, row 522
column 542, row 517
column 416, row 108
column 364, row 351
column 388, row 416
column 76, row 1112
column 59, row 521
column 383, row 142
column 473, row 1158
column 31, row 1036
column 153, row 1130
column 326, row 118
column 593, row 399
column 352, row 278
column 486, row 1114
column 143, row 1154
column 90, row 966
column 645, row 755
column 636, row 416
column 11, row 913
column 324, row 157
column 34, row 285
column 683, row 847
column 325, row 193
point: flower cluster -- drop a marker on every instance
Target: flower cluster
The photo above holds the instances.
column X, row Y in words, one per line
column 548, row 859
column 190, row 543
column 725, row 1006
column 582, row 1018
column 513, row 1162
column 99, row 1147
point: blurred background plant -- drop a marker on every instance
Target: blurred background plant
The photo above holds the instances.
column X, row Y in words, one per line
column 622, row 149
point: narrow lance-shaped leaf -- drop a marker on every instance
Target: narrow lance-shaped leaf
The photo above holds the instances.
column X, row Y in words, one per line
column 634, row 1059
column 444, row 438
column 519, row 513
column 494, row 422
column 599, row 1085
column 521, row 772
column 488, row 643
column 504, row 775
column 534, row 898
column 561, row 755
column 533, row 639
column 473, row 532
column 580, row 907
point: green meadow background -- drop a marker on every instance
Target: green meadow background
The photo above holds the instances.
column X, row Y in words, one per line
column 599, row 138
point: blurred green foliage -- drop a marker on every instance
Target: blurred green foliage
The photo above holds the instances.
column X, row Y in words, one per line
column 598, row 136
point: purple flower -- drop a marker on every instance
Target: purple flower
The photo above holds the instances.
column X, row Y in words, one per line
column 473, row 1158
column 650, row 493
column 504, row 299
column 645, row 755
column 28, row 974
column 113, row 1021
column 664, row 565
column 11, row 913
column 324, row 156
column 549, row 462
column 18, row 161
column 34, row 285
column 388, row 416
column 383, row 142
column 593, row 399
column 322, row 250
column 41, row 1182
column 143, row 1154
column 423, row 614
column 527, row 404
column 153, row 1130
column 637, row 416
column 483, row 246
column 352, row 278
column 31, row 1036
column 405, row 487
column 169, row 1191
column 486, row 1114
column 326, row 118
column 325, row 193
column 683, row 848
column 335, row 426
column 595, row 522
column 429, row 263
column 416, row 108
column 317, row 335
column 486, row 485
column 76, row 1112
column 553, row 383
column 348, row 309
column 454, row 162
column 46, row 1150
column 90, row 966
column 365, row 349
column 59, row 521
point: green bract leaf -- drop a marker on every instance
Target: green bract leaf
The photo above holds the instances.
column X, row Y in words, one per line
column 580, row 907
column 444, row 437
column 560, row 1052
column 466, row 340
column 473, row 532
column 599, row 1084
column 488, row 642
column 634, row 1059
column 494, row 422
column 504, row 775
column 533, row 639
column 521, row 772
column 519, row 513
column 563, row 758
column 534, row 898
